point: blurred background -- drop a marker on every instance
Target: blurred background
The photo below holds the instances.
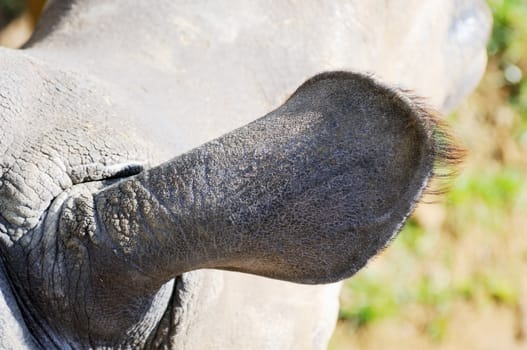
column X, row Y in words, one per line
column 456, row 276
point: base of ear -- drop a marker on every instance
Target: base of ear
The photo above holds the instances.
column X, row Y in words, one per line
column 308, row 193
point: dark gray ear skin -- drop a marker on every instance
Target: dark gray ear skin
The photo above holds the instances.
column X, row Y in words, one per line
column 308, row 193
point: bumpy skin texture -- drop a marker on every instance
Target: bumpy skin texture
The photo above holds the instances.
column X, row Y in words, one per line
column 104, row 238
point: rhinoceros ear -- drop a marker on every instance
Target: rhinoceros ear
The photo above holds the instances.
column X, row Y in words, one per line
column 308, row 193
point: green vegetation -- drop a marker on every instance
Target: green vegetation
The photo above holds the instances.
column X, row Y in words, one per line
column 11, row 8
column 508, row 47
column 485, row 197
column 370, row 301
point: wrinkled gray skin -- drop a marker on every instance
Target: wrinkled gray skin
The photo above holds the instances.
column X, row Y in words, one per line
column 107, row 241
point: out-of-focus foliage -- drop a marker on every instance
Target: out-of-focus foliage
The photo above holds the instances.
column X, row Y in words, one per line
column 455, row 278
column 508, row 46
column 9, row 9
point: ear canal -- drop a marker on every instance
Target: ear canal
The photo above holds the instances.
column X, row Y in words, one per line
column 308, row 193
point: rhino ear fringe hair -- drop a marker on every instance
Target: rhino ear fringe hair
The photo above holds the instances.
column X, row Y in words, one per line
column 448, row 154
